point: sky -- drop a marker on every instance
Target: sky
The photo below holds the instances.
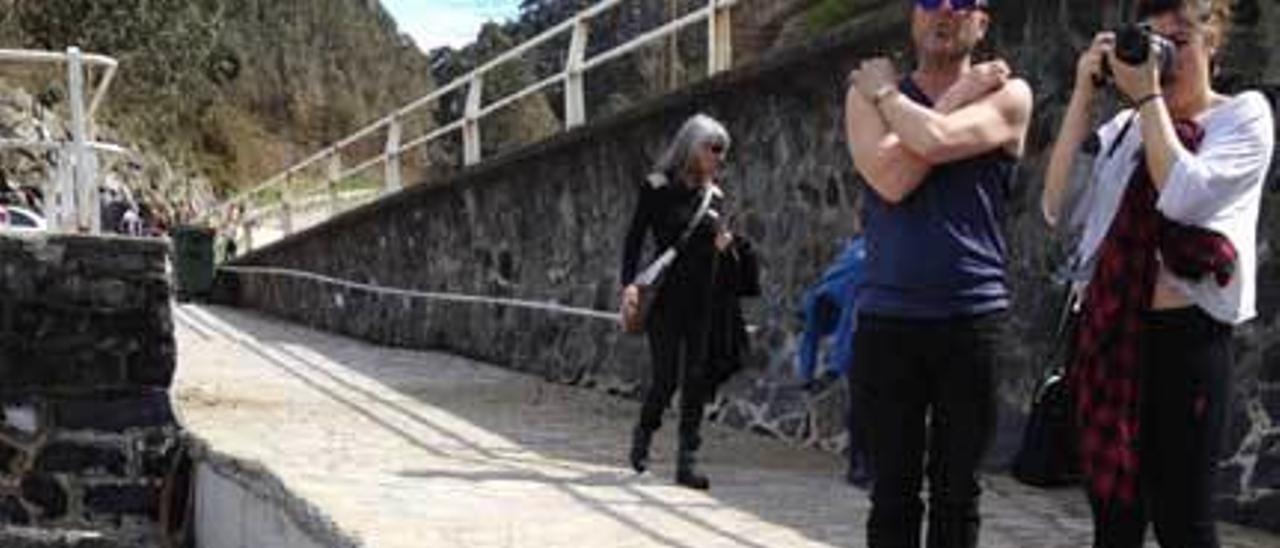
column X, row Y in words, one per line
column 435, row 23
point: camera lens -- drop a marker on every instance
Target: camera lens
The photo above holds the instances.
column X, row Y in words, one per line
column 1133, row 44
column 1133, row 47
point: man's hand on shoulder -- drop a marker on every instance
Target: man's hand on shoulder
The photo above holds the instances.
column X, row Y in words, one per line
column 874, row 76
column 981, row 80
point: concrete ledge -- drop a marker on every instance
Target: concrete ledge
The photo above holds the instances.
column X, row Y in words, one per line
column 241, row 504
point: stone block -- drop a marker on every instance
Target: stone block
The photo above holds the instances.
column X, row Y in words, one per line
column 733, row 416
column 1266, row 472
column 12, row 512
column 98, row 256
column 84, row 312
column 82, row 459
column 1266, row 512
column 1271, row 364
column 1239, row 425
column 61, row 349
column 1270, row 444
column 55, row 367
column 1228, row 479
column 1269, row 395
column 761, row 430
column 155, row 365
column 122, row 499
column 9, row 460
column 829, row 415
column 156, row 451
column 47, row 494
column 113, row 411
column 1227, row 507
column 784, row 405
column 793, row 427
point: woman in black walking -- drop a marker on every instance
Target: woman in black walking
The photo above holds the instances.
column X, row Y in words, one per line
column 680, row 323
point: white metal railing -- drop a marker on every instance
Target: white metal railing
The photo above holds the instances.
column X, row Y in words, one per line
column 71, row 197
column 277, row 194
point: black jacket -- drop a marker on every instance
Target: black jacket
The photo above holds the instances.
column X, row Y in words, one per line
column 701, row 276
column 737, row 275
column 665, row 211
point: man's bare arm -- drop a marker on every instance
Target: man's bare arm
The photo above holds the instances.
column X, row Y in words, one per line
column 999, row 120
column 891, row 170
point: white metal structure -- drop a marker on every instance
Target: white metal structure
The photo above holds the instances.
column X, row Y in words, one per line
column 279, row 194
column 71, row 199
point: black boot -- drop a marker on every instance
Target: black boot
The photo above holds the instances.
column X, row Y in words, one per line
column 859, row 473
column 687, row 461
column 639, row 456
column 687, row 473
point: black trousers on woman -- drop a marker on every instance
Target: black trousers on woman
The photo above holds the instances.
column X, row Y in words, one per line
column 1186, row 369
column 678, row 335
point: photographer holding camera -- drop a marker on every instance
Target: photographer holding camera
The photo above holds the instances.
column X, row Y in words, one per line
column 1165, row 199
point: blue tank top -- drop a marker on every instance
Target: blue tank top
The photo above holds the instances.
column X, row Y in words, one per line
column 939, row 253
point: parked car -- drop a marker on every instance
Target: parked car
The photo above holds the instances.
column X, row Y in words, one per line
column 21, row 219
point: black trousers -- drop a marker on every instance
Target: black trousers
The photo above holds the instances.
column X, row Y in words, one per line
column 926, row 391
column 678, row 334
column 859, row 468
column 1186, row 369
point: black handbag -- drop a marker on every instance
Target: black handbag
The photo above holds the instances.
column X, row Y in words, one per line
column 1049, row 455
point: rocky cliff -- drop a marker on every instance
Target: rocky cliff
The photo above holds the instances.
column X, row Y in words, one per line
column 229, row 90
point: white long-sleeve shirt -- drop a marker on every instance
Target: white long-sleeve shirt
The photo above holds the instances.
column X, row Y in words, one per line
column 1218, row 187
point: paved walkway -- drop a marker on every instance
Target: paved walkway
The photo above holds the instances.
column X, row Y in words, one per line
column 416, row 449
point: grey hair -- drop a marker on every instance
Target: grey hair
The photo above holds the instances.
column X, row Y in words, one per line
column 697, row 131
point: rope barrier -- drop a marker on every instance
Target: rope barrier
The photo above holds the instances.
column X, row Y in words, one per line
column 554, row 308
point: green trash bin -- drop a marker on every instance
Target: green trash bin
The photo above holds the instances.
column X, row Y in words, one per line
column 192, row 261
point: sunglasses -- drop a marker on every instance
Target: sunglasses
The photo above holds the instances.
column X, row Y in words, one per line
column 717, row 149
column 957, row 5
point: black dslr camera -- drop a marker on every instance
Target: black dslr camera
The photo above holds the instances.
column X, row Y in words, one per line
column 1133, row 46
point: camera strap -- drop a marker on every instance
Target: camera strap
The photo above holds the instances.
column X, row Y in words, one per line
column 1124, row 131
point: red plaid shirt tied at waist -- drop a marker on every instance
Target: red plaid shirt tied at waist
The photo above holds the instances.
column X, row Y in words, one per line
column 1105, row 372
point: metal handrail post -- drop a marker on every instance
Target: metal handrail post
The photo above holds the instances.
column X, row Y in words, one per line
column 575, row 108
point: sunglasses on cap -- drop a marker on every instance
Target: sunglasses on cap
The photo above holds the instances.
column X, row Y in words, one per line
column 957, row 5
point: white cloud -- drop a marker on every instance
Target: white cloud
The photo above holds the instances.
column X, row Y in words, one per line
column 435, row 23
